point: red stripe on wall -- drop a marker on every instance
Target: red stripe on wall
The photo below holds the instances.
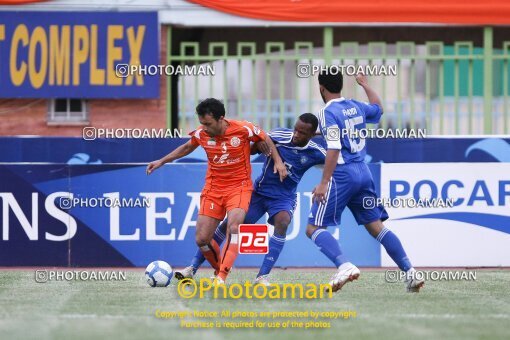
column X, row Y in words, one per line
column 486, row 12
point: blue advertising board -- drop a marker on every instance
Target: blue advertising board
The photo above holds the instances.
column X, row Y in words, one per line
column 39, row 228
column 58, row 55
column 132, row 150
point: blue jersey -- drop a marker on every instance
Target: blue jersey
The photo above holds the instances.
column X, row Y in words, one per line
column 297, row 160
column 339, row 118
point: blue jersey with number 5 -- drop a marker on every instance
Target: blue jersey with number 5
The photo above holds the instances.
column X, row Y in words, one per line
column 338, row 121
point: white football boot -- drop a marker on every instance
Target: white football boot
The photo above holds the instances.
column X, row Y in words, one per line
column 413, row 282
column 262, row 280
column 347, row 272
column 186, row 273
column 218, row 282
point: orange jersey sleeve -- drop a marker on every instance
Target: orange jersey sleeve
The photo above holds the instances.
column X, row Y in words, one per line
column 195, row 137
column 255, row 134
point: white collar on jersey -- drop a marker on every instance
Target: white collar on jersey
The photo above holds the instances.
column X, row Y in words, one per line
column 335, row 100
column 310, row 144
column 289, row 140
column 294, row 146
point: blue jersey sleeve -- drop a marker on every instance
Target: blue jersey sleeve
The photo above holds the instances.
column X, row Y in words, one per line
column 320, row 156
column 330, row 129
column 319, row 146
column 372, row 112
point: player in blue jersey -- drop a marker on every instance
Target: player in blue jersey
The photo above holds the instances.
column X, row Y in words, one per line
column 347, row 181
column 272, row 196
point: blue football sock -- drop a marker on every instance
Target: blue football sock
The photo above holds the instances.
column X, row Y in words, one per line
column 199, row 258
column 276, row 243
column 394, row 249
column 197, row 261
column 329, row 246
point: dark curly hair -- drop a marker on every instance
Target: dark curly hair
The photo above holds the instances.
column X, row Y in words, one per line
column 211, row 106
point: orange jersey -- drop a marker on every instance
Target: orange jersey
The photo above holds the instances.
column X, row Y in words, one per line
column 229, row 154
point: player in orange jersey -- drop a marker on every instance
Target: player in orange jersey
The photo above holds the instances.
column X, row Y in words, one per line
column 228, row 185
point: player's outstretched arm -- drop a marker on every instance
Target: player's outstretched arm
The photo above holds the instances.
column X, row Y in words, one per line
column 278, row 163
column 319, row 193
column 373, row 97
column 260, row 147
column 179, row 152
column 254, row 149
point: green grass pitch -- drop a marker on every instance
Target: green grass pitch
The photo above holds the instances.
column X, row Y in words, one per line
column 126, row 309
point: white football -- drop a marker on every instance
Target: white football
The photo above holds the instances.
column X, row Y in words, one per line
column 158, row 274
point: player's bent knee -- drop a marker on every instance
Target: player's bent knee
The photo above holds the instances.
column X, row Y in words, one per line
column 281, row 229
column 201, row 240
column 374, row 228
column 234, row 229
column 310, row 229
column 281, row 222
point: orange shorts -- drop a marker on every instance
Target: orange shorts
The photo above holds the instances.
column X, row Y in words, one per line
column 217, row 204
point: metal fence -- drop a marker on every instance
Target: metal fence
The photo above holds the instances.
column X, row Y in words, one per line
column 445, row 89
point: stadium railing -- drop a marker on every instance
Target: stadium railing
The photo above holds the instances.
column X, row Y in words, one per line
column 445, row 89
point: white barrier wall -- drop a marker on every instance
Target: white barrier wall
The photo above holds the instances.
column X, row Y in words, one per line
column 475, row 231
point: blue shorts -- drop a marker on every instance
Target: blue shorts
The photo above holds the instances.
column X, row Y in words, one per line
column 351, row 185
column 259, row 205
